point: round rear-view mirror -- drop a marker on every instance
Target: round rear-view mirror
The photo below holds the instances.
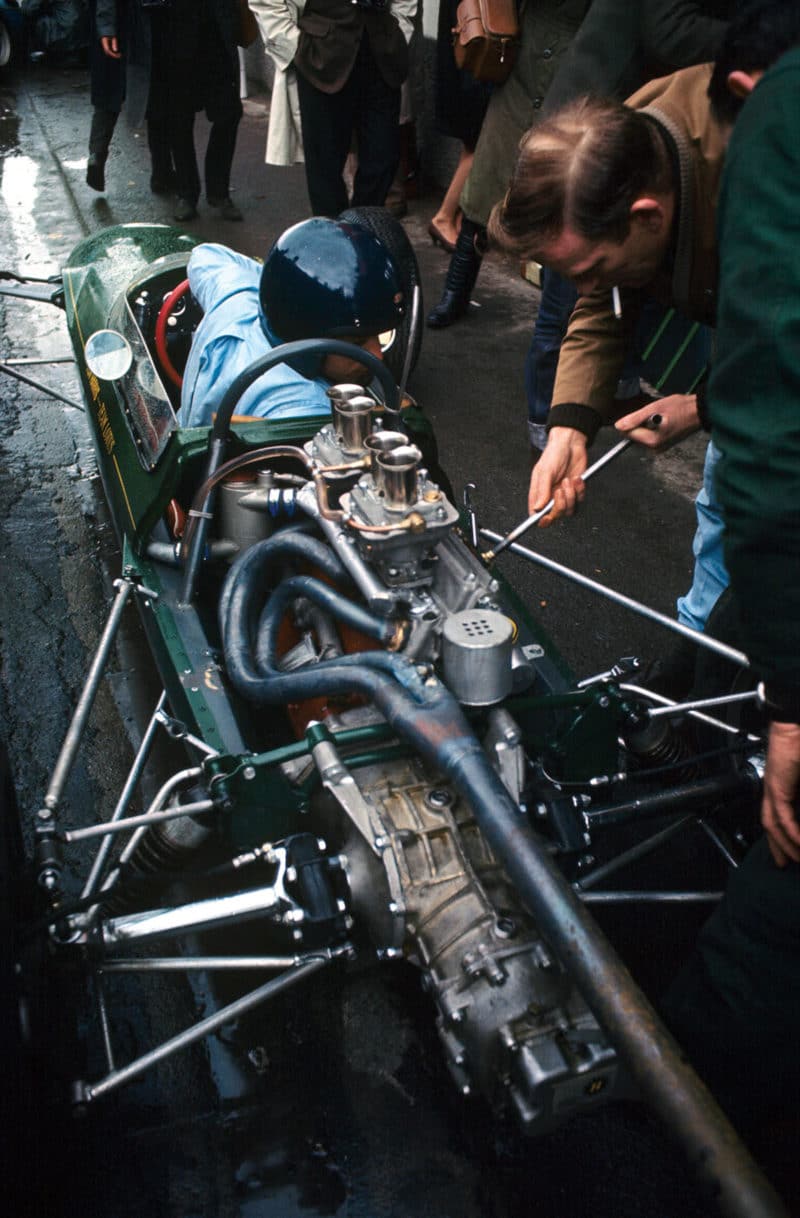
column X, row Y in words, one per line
column 108, row 355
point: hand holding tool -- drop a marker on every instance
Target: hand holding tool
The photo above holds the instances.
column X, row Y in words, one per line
column 516, row 533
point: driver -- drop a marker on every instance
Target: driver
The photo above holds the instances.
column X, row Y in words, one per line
column 321, row 279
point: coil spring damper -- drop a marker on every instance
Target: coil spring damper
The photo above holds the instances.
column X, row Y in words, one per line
column 165, row 848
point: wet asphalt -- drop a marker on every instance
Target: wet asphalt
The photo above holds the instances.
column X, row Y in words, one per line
column 339, row 1104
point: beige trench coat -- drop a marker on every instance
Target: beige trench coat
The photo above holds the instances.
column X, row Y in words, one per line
column 278, row 21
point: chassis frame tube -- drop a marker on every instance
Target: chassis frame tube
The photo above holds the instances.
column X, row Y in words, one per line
column 139, row 762
column 633, row 896
column 77, row 726
column 89, row 1092
column 34, row 384
column 698, row 793
column 125, row 824
column 199, row 964
column 619, row 598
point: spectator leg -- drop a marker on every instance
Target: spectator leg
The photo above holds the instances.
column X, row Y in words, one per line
column 327, row 123
column 377, row 121
column 556, row 304
column 710, row 575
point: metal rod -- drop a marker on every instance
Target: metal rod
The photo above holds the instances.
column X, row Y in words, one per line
column 510, row 538
column 751, row 695
column 700, row 716
column 19, row 361
column 631, row 896
column 715, row 837
column 163, row 795
column 28, row 380
column 672, row 799
column 640, row 850
column 160, row 799
column 135, row 822
column 190, row 964
column 105, row 1027
column 76, row 728
column 170, row 725
column 412, row 336
column 55, row 280
column 116, row 1078
column 139, row 762
column 702, row 640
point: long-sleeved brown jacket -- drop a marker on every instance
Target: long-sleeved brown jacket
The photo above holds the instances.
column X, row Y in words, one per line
column 593, row 351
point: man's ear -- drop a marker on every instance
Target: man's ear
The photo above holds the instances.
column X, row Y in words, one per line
column 741, row 83
column 650, row 213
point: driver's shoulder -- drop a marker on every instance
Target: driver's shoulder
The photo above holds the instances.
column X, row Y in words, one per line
column 216, row 273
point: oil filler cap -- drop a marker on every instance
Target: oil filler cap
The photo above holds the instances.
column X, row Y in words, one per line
column 476, row 655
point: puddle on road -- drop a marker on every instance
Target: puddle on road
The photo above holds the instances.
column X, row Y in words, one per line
column 20, row 192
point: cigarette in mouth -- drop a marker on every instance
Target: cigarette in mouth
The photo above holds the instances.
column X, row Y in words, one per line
column 616, row 302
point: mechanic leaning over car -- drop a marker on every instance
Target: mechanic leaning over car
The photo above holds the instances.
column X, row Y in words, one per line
column 321, row 279
column 736, row 1005
column 639, row 218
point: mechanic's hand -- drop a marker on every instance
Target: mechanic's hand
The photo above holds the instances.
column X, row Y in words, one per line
column 678, row 419
column 111, row 47
column 781, row 788
column 557, row 474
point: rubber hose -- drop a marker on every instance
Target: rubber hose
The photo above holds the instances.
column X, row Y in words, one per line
column 326, row 598
column 251, row 567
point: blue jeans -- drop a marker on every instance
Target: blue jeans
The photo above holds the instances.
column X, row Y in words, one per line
column 556, row 305
column 710, row 575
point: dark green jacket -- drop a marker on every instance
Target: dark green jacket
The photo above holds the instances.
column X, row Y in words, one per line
column 754, row 392
column 624, row 43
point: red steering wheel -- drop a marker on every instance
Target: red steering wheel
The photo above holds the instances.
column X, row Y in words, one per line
column 164, row 314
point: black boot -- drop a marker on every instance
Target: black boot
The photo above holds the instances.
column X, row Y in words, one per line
column 103, row 124
column 465, row 262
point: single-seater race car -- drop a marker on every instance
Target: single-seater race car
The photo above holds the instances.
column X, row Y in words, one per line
column 382, row 757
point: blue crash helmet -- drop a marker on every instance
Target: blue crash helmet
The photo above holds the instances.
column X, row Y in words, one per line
column 328, row 279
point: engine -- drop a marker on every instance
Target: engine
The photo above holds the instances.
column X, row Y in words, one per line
column 423, row 882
